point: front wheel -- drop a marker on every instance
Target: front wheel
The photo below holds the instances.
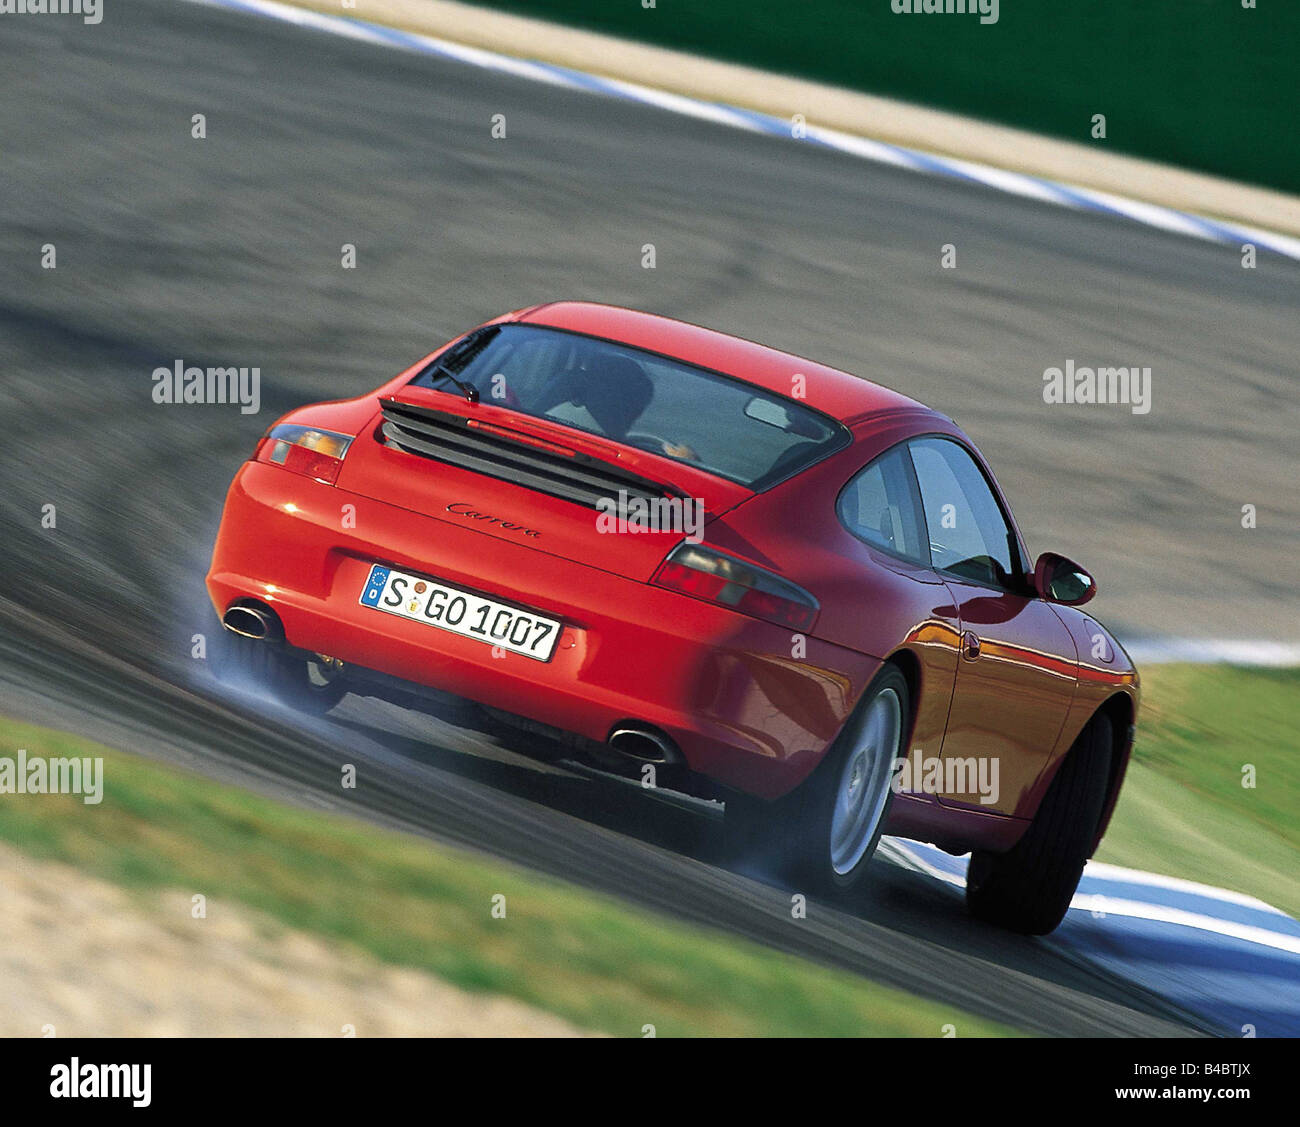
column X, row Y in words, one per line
column 1029, row 888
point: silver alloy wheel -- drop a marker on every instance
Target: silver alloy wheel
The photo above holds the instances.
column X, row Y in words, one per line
column 863, row 788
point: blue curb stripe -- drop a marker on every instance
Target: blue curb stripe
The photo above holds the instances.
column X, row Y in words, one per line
column 1230, row 980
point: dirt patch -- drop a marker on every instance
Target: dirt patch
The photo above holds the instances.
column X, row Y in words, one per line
column 91, row 959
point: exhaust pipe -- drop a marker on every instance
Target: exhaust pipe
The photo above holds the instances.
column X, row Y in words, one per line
column 252, row 622
column 644, row 745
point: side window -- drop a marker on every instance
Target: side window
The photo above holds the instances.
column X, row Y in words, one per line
column 969, row 536
column 879, row 506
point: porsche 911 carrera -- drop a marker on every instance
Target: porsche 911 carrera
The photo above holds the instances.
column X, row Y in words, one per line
column 760, row 579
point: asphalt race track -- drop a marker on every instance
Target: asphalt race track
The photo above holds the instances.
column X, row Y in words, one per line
column 227, row 250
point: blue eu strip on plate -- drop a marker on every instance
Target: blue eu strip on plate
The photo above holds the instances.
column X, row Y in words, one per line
column 375, row 585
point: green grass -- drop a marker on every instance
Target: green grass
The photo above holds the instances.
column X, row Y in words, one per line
column 588, row 958
column 1201, row 83
column 609, row 967
column 1184, row 812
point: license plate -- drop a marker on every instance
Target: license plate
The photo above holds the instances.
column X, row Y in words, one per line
column 434, row 603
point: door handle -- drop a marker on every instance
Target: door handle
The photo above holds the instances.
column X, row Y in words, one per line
column 970, row 645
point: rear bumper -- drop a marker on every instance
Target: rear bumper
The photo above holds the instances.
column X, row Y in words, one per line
column 726, row 688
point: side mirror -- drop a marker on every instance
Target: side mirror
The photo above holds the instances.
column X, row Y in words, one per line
column 1060, row 580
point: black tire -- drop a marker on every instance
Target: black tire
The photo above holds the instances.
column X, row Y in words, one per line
column 794, row 834
column 289, row 676
column 1029, row 888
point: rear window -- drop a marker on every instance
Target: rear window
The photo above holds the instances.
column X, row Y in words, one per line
column 694, row 416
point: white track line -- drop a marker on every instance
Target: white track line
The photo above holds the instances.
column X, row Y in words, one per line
column 736, row 117
column 912, row 856
column 1201, row 651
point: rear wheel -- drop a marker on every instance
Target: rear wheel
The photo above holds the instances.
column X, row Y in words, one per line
column 305, row 682
column 826, row 831
column 1029, row 888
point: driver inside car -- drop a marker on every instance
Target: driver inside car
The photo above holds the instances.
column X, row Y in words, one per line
column 609, row 401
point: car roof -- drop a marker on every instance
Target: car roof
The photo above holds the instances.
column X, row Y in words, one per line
column 841, row 395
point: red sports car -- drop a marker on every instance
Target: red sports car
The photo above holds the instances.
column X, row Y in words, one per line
column 758, row 578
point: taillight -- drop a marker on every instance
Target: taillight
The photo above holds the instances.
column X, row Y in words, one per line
column 305, row 450
column 717, row 578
